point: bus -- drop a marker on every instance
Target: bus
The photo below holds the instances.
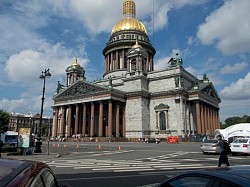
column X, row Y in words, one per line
column 9, row 137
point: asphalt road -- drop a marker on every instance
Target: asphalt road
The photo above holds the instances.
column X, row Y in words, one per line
column 124, row 164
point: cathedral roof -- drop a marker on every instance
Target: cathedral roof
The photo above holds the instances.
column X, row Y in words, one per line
column 84, row 89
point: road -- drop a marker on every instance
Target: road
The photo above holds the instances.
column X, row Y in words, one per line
column 124, row 164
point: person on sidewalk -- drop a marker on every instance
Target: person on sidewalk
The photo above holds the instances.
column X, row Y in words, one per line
column 1, row 145
column 223, row 155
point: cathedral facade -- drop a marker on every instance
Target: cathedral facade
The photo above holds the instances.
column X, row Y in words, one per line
column 133, row 100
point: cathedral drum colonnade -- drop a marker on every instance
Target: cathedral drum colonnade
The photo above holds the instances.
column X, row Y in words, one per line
column 133, row 100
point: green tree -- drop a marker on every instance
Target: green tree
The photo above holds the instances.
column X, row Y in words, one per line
column 4, row 120
column 235, row 120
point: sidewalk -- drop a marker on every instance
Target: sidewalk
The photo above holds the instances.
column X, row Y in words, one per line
column 35, row 156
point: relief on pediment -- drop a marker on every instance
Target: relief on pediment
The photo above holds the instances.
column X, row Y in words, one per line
column 81, row 88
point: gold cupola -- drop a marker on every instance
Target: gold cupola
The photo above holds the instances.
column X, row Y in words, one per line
column 137, row 45
column 75, row 63
column 74, row 72
column 129, row 22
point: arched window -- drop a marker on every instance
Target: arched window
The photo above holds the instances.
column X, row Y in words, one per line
column 143, row 65
column 133, row 65
column 161, row 112
column 162, row 121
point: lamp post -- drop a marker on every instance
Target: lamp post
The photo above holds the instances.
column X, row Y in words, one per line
column 45, row 74
column 49, row 135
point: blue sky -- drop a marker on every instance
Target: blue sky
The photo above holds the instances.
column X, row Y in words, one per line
column 212, row 37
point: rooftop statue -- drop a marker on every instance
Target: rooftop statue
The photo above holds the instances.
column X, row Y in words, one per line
column 205, row 78
column 175, row 62
column 110, row 81
column 59, row 87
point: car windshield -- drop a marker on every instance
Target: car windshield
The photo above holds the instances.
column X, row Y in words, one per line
column 211, row 141
column 240, row 141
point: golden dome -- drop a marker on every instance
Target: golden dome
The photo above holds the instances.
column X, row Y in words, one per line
column 137, row 45
column 75, row 63
column 129, row 24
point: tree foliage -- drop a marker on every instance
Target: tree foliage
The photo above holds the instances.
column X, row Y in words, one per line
column 4, row 120
column 235, row 120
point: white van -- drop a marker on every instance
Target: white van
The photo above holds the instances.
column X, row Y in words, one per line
column 9, row 137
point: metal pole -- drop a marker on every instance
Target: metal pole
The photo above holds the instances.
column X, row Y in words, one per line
column 49, row 136
column 39, row 140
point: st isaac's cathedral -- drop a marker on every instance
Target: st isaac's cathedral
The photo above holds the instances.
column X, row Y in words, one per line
column 133, row 100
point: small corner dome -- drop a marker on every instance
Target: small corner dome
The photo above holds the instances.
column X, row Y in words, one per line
column 137, row 45
column 75, row 63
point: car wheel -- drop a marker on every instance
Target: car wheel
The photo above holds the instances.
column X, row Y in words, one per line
column 205, row 153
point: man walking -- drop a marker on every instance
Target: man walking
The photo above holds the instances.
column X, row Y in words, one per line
column 223, row 155
column 1, row 145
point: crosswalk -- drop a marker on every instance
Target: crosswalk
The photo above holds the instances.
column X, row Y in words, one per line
column 163, row 162
column 121, row 165
column 165, row 157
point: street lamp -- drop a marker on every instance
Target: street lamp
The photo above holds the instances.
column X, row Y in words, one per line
column 45, row 74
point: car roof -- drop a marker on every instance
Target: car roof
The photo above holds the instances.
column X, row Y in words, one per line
column 234, row 174
column 240, row 171
column 10, row 169
column 8, row 166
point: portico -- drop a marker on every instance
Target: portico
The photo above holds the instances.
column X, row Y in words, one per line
column 100, row 115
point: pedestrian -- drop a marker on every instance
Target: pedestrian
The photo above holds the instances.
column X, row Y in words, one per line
column 223, row 155
column 1, row 145
column 204, row 138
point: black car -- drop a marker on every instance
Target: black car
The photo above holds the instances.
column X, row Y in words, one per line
column 237, row 176
column 152, row 140
column 25, row 174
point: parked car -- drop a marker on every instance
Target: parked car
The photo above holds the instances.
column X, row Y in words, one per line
column 152, row 140
column 240, row 146
column 209, row 146
column 236, row 176
column 26, row 173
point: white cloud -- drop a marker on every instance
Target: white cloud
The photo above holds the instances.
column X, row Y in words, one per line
column 97, row 16
column 192, row 40
column 237, row 90
column 228, row 27
column 215, row 79
column 28, row 64
column 231, row 108
column 233, row 69
column 161, row 63
column 23, row 105
column 191, row 70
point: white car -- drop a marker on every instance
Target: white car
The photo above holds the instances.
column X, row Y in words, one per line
column 240, row 146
